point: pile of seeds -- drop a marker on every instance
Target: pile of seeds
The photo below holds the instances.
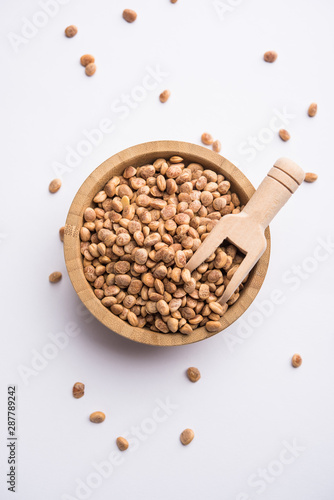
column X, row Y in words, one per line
column 137, row 240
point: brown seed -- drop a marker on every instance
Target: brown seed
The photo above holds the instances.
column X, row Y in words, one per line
column 173, row 1
column 312, row 110
column 122, row 443
column 180, row 258
column 174, row 305
column 186, row 329
column 296, row 360
column 162, row 307
column 284, row 135
column 61, row 233
column 54, row 185
column 140, row 256
column 161, row 325
column 213, row 326
column 71, row 31
column 207, row 139
column 117, row 309
column 164, row 96
column 55, row 277
column 87, row 59
column 173, row 324
column 216, row 146
column 270, row 56
column 132, row 319
column 186, row 275
column 193, row 374
column 89, row 214
column 136, row 242
column 129, row 15
column 187, row 436
column 310, row 177
column 204, row 291
column 90, row 69
column 97, row 417
column 78, row 390
column 217, row 308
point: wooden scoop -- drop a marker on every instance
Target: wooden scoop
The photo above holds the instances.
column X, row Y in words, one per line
column 246, row 229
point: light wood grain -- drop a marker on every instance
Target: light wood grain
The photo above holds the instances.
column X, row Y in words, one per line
column 136, row 156
column 246, row 230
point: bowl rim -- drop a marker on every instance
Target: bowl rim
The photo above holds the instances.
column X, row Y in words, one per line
column 136, row 155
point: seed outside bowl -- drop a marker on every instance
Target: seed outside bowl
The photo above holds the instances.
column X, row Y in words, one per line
column 137, row 156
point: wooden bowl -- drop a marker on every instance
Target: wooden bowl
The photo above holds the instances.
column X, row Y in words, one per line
column 137, row 156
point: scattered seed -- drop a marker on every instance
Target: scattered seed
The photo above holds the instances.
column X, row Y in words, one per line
column 90, row 69
column 173, row 1
column 284, row 135
column 78, row 390
column 270, row 56
column 310, row 177
column 312, row 110
column 61, row 233
column 187, row 436
column 97, row 417
column 54, row 185
column 296, row 360
column 55, row 277
column 207, row 139
column 122, row 443
column 216, row 146
column 129, row 15
column 87, row 59
column 164, row 96
column 193, row 374
column 71, row 31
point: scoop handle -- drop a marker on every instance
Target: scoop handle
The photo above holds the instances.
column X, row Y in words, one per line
column 281, row 182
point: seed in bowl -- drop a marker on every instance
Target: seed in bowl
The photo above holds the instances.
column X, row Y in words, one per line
column 138, row 235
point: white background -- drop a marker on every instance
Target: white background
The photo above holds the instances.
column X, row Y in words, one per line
column 249, row 402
